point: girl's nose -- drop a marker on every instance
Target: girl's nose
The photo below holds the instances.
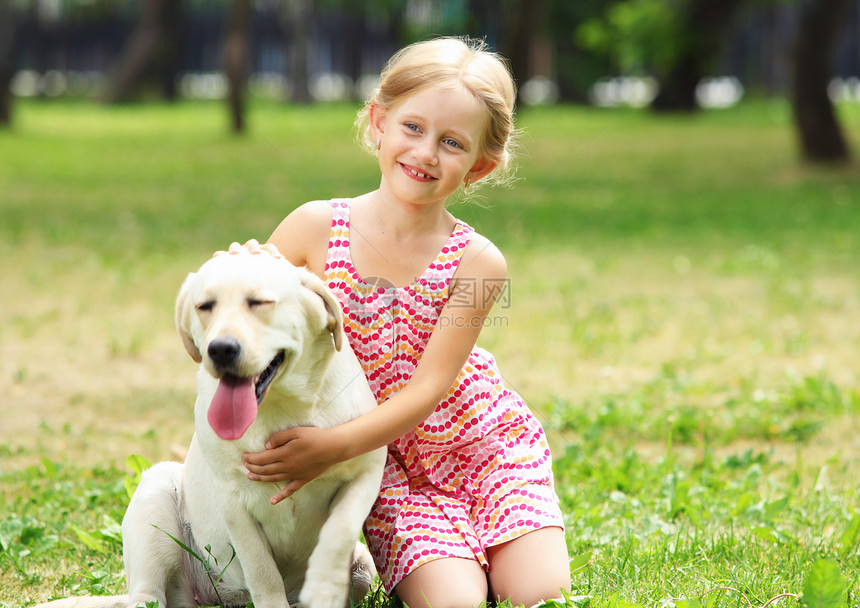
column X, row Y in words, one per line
column 426, row 152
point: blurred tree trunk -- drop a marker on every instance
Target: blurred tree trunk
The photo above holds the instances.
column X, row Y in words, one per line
column 236, row 60
column 297, row 18
column 151, row 47
column 819, row 26
column 704, row 24
column 520, row 22
column 355, row 35
column 7, row 44
column 38, row 33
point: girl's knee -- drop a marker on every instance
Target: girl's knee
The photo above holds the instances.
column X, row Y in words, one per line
column 446, row 602
column 530, row 569
column 444, row 583
column 443, row 597
column 531, row 590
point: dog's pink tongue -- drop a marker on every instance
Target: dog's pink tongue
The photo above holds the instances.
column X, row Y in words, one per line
column 233, row 407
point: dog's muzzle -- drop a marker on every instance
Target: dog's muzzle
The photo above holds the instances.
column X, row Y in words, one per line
column 234, row 406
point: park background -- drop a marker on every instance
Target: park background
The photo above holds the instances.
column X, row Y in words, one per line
column 683, row 312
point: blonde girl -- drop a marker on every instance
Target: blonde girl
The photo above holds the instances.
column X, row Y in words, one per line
column 467, row 509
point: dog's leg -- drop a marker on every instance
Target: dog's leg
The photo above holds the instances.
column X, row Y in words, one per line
column 254, row 553
column 329, row 569
column 362, row 573
column 152, row 559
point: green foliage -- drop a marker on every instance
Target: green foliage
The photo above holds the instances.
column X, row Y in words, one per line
column 24, row 537
column 38, row 532
column 824, row 587
column 138, row 464
column 640, row 36
column 720, row 525
column 689, row 413
column 850, row 538
column 206, row 562
column 104, row 539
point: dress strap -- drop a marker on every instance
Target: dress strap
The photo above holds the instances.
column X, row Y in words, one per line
column 338, row 241
column 339, row 213
column 442, row 269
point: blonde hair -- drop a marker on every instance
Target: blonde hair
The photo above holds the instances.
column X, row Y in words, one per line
column 448, row 63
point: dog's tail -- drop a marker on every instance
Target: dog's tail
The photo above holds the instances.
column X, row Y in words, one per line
column 87, row 601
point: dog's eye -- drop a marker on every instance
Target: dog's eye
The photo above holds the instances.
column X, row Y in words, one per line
column 206, row 306
column 256, row 303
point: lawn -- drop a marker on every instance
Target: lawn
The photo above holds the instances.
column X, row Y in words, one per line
column 683, row 316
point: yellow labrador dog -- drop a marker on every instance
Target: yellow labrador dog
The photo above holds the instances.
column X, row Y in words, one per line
column 269, row 339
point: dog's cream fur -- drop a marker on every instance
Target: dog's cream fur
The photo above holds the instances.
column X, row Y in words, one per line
column 304, row 548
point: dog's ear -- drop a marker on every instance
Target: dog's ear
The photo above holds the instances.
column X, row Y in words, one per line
column 183, row 318
column 334, row 323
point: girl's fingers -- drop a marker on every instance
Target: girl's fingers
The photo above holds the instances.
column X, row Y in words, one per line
column 266, row 468
column 252, row 246
column 280, row 438
column 257, row 459
column 272, row 251
column 261, row 469
column 268, row 476
column 288, row 490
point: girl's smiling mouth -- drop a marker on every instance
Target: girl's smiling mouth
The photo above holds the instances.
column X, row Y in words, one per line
column 416, row 174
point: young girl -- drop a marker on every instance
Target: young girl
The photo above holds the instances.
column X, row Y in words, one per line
column 467, row 508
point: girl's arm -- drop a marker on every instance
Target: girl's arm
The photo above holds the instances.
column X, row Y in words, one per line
column 302, row 237
column 301, row 454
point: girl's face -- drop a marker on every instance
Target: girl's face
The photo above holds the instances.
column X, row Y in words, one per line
column 430, row 143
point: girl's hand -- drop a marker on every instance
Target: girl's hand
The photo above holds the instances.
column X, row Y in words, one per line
column 297, row 456
column 253, row 247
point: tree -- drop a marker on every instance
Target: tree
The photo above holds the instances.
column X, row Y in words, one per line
column 577, row 66
column 820, row 23
column 7, row 44
column 353, row 39
column 675, row 41
column 520, row 22
column 151, row 47
column 297, row 18
column 236, row 60
column 702, row 27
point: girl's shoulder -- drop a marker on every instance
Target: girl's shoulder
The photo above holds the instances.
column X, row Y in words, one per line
column 302, row 236
column 312, row 218
column 313, row 213
column 482, row 259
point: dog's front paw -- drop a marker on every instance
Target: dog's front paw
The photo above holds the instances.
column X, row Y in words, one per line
column 323, row 594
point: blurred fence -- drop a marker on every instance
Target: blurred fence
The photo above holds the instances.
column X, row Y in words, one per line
column 67, row 48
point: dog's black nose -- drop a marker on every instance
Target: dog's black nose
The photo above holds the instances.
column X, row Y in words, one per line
column 224, row 351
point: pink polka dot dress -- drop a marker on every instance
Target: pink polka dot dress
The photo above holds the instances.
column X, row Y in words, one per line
column 477, row 472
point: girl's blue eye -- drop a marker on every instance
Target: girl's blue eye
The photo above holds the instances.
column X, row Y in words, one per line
column 412, row 127
column 453, row 143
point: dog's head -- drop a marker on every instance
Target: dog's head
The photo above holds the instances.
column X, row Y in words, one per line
column 249, row 318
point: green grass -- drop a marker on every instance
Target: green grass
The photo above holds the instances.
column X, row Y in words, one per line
column 684, row 319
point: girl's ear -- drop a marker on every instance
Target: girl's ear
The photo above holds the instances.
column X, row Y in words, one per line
column 482, row 168
column 377, row 120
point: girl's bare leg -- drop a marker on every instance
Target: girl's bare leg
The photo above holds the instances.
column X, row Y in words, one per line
column 449, row 582
column 531, row 568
